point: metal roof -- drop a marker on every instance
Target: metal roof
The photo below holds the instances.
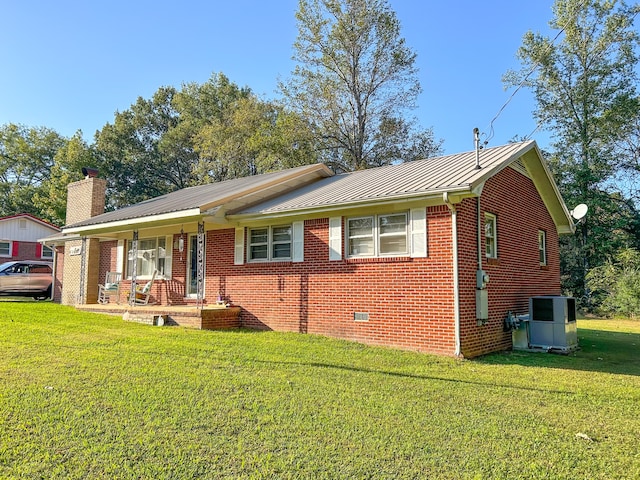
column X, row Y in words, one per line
column 207, row 196
column 310, row 188
column 418, row 178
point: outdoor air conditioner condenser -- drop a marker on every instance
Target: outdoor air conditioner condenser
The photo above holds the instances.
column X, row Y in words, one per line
column 552, row 323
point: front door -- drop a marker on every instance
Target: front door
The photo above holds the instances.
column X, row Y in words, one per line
column 192, row 273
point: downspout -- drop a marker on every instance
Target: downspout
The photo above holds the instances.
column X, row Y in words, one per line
column 55, row 270
column 479, row 233
column 456, row 287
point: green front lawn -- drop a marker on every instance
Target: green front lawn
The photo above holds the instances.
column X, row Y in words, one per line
column 90, row 396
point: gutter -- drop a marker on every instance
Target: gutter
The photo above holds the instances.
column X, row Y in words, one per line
column 171, row 218
column 456, row 281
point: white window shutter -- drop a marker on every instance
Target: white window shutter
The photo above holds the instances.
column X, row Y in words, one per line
column 335, row 238
column 168, row 258
column 298, row 242
column 238, row 257
column 120, row 257
column 418, row 232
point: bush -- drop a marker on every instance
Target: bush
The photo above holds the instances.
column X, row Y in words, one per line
column 616, row 284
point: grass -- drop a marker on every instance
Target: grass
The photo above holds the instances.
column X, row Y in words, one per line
column 90, row 396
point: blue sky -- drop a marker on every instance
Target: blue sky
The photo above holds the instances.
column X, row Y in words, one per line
column 70, row 65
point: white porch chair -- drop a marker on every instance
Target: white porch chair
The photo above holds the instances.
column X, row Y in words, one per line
column 142, row 293
column 110, row 288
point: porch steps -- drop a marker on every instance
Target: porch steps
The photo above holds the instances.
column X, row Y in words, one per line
column 212, row 318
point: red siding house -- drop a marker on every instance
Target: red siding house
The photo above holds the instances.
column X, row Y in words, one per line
column 19, row 236
column 428, row 255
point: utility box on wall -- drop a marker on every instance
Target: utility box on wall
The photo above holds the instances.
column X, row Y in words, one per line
column 482, row 306
column 552, row 323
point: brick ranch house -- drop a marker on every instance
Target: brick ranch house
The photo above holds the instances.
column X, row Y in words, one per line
column 427, row 255
column 19, row 236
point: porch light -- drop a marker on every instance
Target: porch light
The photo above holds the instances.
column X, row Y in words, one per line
column 181, row 241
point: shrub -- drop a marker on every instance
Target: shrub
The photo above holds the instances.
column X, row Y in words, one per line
column 616, row 284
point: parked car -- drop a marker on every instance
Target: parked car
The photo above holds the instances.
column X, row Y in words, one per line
column 27, row 278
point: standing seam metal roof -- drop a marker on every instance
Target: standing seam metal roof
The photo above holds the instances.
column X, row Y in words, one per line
column 421, row 177
column 188, row 198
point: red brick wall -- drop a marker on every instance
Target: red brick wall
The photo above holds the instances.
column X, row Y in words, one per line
column 409, row 300
column 26, row 251
column 516, row 274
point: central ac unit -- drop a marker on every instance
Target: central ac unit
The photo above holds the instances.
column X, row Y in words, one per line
column 552, row 323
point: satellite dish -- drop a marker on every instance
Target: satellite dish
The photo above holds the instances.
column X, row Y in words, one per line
column 580, row 211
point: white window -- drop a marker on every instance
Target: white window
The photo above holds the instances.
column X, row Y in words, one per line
column 360, row 236
column 542, row 246
column 153, row 254
column 377, row 235
column 490, row 235
column 47, row 252
column 392, row 232
column 270, row 243
column 5, row 249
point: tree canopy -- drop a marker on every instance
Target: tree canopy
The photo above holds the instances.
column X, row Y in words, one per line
column 354, row 81
column 202, row 133
column 585, row 88
column 26, row 157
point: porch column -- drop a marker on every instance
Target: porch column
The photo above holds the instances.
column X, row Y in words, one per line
column 134, row 267
column 200, row 266
column 83, row 268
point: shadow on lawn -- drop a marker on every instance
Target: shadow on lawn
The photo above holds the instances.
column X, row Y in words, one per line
column 490, row 384
column 600, row 351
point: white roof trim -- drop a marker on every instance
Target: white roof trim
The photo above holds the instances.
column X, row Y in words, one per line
column 136, row 222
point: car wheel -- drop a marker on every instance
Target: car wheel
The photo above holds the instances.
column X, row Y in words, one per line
column 45, row 296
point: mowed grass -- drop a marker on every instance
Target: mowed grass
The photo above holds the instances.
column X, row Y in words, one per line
column 91, row 396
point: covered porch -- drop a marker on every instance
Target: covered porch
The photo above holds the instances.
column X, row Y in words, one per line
column 206, row 318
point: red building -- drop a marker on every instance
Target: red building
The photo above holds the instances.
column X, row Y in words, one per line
column 427, row 255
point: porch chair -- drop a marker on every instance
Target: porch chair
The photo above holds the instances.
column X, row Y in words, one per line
column 110, row 288
column 142, row 293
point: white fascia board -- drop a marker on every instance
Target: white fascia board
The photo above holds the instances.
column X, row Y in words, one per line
column 135, row 223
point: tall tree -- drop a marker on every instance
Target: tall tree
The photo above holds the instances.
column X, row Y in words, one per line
column 252, row 137
column 138, row 160
column 201, row 133
column 354, row 81
column 26, row 157
column 585, row 88
column 149, row 149
column 51, row 199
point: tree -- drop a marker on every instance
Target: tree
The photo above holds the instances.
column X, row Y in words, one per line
column 26, row 157
column 584, row 87
column 149, row 150
column 354, row 81
column 617, row 284
column 135, row 151
column 68, row 161
column 253, row 137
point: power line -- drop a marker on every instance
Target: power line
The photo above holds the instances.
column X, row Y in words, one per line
column 522, row 83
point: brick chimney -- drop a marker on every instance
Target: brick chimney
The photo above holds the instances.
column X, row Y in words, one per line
column 85, row 199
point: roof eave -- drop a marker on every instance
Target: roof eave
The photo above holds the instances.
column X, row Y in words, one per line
column 433, row 196
column 171, row 218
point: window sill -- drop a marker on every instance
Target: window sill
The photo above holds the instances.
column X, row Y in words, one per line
column 258, row 262
column 397, row 258
column 147, row 278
